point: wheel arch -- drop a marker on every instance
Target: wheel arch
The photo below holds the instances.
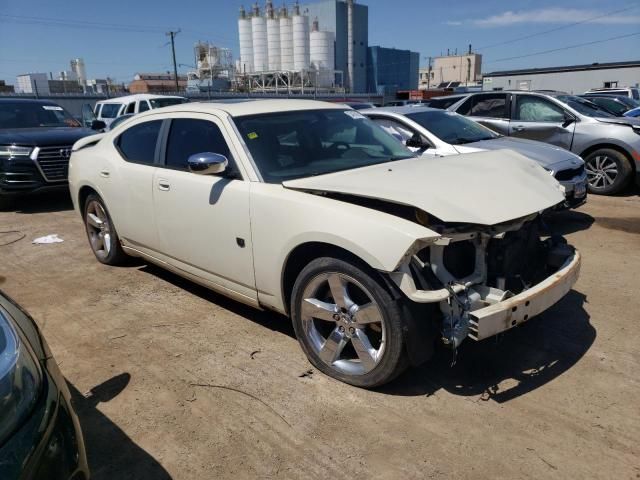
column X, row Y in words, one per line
column 83, row 194
column 612, row 146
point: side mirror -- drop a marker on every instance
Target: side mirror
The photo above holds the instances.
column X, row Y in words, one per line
column 98, row 125
column 207, row 163
column 568, row 120
column 417, row 141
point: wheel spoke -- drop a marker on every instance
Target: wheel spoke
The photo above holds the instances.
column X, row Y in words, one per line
column 99, row 244
column 368, row 313
column 106, row 240
column 366, row 353
column 339, row 292
column 93, row 220
column 333, row 346
column 314, row 308
column 607, row 179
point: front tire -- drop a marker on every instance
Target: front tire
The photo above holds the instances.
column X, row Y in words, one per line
column 101, row 232
column 608, row 171
column 347, row 323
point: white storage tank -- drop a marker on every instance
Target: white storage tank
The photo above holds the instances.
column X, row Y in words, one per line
column 246, row 43
column 300, row 40
column 273, row 38
column 322, row 56
column 286, row 40
column 259, row 35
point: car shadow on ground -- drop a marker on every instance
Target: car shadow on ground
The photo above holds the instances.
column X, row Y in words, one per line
column 110, row 452
column 268, row 319
column 567, row 221
column 506, row 367
column 38, row 203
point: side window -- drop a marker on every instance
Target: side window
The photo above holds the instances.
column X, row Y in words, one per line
column 396, row 129
column 137, row 144
column 189, row 136
column 493, row 106
column 143, row 107
column 535, row 109
column 131, row 108
column 465, row 107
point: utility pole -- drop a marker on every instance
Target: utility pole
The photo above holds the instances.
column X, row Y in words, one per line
column 173, row 51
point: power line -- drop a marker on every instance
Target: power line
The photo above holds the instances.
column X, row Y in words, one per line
column 568, row 47
column 557, row 28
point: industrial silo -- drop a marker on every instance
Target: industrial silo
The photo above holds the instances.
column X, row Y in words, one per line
column 286, row 40
column 273, row 37
column 77, row 66
column 246, row 42
column 322, row 56
column 300, row 39
column 259, row 35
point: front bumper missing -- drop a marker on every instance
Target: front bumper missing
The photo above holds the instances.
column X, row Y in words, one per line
column 499, row 317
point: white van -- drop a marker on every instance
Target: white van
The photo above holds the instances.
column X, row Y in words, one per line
column 108, row 110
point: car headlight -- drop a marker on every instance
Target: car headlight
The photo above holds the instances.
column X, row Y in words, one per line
column 13, row 151
column 20, row 379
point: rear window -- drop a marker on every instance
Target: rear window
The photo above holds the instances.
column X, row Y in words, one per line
column 166, row 102
column 110, row 110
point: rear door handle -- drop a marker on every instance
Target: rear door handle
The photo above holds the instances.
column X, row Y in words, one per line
column 519, row 128
column 164, row 185
column 104, row 173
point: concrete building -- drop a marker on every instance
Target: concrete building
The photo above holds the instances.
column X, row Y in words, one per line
column 452, row 69
column 157, row 83
column 333, row 16
column 390, row 69
column 35, row 83
column 97, row 85
column 571, row 79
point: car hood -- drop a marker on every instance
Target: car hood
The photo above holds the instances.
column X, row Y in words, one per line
column 545, row 154
column 483, row 188
column 43, row 137
column 631, row 121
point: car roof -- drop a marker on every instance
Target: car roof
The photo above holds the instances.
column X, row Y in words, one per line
column 137, row 96
column 401, row 110
column 250, row 107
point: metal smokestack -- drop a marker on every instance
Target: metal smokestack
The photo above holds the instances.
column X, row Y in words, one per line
column 350, row 44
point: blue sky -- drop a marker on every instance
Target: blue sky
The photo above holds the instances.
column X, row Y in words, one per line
column 119, row 37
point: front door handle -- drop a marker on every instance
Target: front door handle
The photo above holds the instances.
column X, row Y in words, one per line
column 104, row 173
column 164, row 185
column 519, row 128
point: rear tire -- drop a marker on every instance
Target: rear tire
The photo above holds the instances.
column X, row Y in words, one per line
column 608, row 171
column 347, row 323
column 101, row 232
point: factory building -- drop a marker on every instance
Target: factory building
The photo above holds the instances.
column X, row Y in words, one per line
column 571, row 79
column 452, row 70
column 35, row 83
column 390, row 70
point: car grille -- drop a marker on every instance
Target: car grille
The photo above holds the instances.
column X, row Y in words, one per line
column 568, row 174
column 54, row 162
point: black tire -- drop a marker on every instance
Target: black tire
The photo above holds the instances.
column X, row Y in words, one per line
column 608, row 171
column 392, row 359
column 113, row 254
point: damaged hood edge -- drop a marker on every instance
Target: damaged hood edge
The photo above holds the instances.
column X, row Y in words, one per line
column 485, row 188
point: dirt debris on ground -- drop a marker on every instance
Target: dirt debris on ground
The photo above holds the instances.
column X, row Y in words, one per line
column 182, row 383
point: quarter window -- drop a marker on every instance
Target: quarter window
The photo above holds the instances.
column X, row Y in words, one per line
column 189, row 136
column 493, row 105
column 143, row 107
column 131, row 108
column 137, row 144
column 534, row 109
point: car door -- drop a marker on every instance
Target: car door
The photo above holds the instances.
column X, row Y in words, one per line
column 203, row 220
column 127, row 184
column 537, row 118
column 489, row 109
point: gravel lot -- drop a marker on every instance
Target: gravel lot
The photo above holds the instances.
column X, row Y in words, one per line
column 173, row 381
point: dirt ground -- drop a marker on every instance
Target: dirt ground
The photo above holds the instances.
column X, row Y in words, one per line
column 556, row 398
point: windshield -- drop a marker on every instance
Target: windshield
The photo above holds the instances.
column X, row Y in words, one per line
column 165, row 102
column 451, row 127
column 110, row 110
column 585, row 107
column 299, row 144
column 34, row 115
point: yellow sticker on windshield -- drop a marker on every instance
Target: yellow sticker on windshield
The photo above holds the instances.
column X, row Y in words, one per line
column 252, row 136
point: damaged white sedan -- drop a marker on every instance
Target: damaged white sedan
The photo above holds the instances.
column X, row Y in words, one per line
column 311, row 210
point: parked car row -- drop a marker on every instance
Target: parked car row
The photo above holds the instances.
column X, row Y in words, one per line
column 609, row 145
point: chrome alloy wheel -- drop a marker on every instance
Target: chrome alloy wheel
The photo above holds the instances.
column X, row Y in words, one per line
column 98, row 229
column 601, row 171
column 343, row 323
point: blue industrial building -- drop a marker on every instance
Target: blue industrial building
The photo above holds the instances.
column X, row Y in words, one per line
column 390, row 70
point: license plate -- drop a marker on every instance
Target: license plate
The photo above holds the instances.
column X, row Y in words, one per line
column 580, row 190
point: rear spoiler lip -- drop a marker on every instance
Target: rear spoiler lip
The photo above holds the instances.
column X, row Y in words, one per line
column 89, row 141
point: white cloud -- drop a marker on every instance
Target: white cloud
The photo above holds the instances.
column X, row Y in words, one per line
column 453, row 23
column 549, row 16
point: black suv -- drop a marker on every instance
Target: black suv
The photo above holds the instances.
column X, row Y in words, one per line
column 36, row 137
